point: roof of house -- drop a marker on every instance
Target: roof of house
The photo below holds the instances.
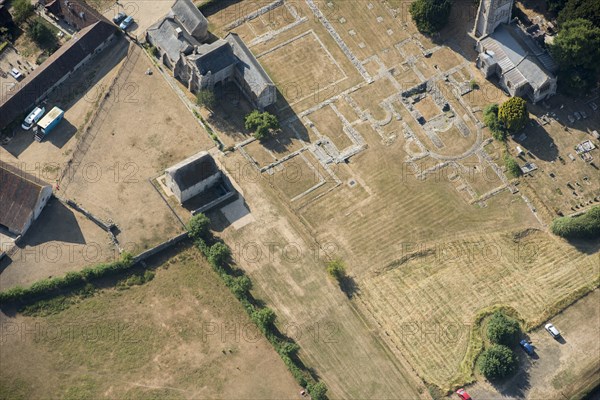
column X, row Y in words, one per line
column 164, row 35
column 76, row 12
column 19, row 196
column 193, row 170
column 251, row 70
column 22, row 98
column 213, row 57
column 519, row 57
column 190, row 17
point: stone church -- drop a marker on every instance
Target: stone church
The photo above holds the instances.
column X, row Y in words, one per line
column 511, row 55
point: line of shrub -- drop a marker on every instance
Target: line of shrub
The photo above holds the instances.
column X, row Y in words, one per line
column 218, row 255
column 72, row 280
column 585, row 226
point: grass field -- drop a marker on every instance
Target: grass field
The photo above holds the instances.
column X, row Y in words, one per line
column 180, row 336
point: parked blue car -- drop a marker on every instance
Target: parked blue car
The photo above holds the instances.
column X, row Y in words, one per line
column 126, row 23
column 527, row 347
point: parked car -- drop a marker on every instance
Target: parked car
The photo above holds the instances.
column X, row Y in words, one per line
column 462, row 393
column 527, row 347
column 119, row 17
column 593, row 106
column 583, row 114
column 16, row 74
column 571, row 119
column 577, row 115
column 33, row 118
column 126, row 23
column 552, row 330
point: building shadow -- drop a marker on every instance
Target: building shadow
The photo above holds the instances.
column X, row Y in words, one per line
column 57, row 222
column 213, row 7
column 457, row 33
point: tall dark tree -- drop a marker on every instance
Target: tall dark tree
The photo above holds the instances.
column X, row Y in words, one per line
column 430, row 16
column 574, row 9
column 576, row 49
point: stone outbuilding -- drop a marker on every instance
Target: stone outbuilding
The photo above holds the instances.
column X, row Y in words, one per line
column 192, row 176
column 22, row 198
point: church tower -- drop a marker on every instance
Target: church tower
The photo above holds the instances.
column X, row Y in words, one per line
column 490, row 14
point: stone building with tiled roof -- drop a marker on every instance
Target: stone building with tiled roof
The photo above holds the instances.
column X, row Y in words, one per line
column 22, row 198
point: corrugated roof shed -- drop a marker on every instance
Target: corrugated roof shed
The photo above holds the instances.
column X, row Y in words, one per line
column 19, row 195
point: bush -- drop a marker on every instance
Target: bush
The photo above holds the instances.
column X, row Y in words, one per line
column 47, row 287
column 430, row 16
column 198, row 226
column 206, row 98
column 513, row 114
column 264, row 319
column 497, row 362
column 263, row 124
column 490, row 118
column 585, row 226
column 219, row 254
column 22, row 9
column 502, row 329
column 512, row 167
column 317, row 391
column 336, row 269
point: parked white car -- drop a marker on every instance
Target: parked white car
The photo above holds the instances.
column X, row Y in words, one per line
column 16, row 74
column 552, row 330
column 33, row 118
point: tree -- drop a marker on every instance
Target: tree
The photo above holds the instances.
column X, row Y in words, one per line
column 219, row 254
column 512, row 166
column 40, row 33
column 317, row 391
column 336, row 269
column 22, row 9
column 490, row 118
column 198, row 226
column 430, row 16
column 497, row 362
column 206, row 98
column 574, row 9
column 513, row 114
column 263, row 124
column 576, row 50
column 263, row 318
column 502, row 329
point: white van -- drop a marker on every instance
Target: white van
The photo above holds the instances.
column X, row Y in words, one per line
column 33, row 118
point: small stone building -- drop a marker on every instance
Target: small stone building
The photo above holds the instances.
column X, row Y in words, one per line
column 192, row 176
column 22, row 198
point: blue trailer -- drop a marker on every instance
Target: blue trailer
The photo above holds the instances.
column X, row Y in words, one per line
column 48, row 123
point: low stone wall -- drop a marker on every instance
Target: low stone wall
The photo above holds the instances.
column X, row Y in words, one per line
column 161, row 247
